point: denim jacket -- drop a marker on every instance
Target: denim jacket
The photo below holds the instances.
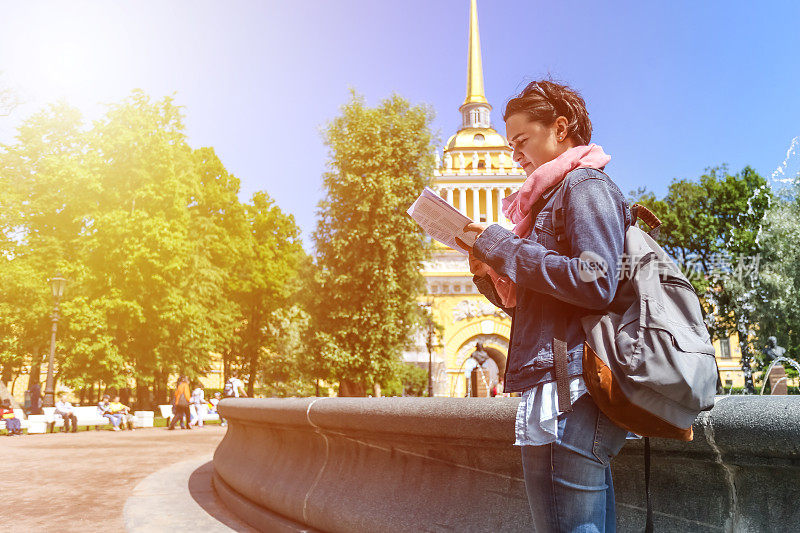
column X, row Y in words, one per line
column 555, row 281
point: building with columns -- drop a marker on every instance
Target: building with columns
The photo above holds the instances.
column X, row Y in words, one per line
column 474, row 172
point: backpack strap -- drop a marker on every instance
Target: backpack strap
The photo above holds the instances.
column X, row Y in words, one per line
column 648, row 217
column 560, row 337
column 648, row 528
column 557, row 216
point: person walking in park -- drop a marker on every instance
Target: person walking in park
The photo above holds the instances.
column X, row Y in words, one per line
column 180, row 406
column 234, row 387
column 546, row 283
column 7, row 415
column 105, row 410
column 198, row 408
column 65, row 410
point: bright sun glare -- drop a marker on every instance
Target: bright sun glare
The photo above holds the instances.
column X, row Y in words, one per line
column 65, row 54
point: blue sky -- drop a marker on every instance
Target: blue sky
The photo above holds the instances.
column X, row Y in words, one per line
column 672, row 88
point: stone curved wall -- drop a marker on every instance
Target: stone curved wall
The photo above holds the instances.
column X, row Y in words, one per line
column 442, row 464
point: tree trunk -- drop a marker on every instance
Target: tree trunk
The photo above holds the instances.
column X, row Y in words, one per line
column 143, row 399
column 35, row 375
column 7, row 376
column 36, row 368
column 162, row 388
column 251, row 382
column 226, row 366
column 157, row 386
column 376, row 390
column 349, row 388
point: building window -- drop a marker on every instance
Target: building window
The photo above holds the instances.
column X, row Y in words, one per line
column 725, row 348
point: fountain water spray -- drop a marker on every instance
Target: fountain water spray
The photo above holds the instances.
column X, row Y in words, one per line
column 775, row 361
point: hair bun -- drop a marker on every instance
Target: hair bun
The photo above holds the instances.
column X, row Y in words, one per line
column 545, row 101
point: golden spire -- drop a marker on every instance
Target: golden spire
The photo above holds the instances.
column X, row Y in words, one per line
column 475, row 68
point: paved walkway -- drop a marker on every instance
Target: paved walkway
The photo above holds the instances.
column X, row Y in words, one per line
column 107, row 481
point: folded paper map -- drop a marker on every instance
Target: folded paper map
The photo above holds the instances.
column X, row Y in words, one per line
column 441, row 220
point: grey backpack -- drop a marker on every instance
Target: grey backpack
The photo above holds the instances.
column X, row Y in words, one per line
column 652, row 338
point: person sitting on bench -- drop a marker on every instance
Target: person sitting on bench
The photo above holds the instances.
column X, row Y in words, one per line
column 105, row 409
column 123, row 411
column 65, row 410
column 13, row 425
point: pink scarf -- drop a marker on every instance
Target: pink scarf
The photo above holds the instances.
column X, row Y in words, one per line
column 517, row 206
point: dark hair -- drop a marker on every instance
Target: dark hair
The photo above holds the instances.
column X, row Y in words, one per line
column 545, row 101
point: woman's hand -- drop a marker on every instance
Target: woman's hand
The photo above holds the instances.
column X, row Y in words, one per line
column 470, row 228
column 476, row 266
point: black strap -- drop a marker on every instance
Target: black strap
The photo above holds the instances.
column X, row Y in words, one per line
column 560, row 364
column 648, row 528
column 560, row 333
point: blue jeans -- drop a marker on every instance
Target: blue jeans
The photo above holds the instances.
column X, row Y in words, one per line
column 13, row 426
column 569, row 481
column 116, row 420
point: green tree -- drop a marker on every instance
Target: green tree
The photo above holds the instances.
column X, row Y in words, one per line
column 166, row 266
column 713, row 227
column 775, row 306
column 263, row 284
column 42, row 181
column 368, row 251
column 144, row 265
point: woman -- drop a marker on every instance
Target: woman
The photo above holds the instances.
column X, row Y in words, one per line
column 544, row 278
column 180, row 409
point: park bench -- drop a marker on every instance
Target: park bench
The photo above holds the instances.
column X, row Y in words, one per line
column 144, row 419
column 166, row 412
column 90, row 416
column 87, row 416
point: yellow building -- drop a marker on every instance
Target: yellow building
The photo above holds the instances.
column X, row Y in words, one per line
column 474, row 173
column 729, row 361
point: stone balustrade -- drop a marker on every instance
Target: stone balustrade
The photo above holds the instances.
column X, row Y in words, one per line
column 448, row 464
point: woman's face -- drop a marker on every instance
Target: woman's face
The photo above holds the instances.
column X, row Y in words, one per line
column 534, row 143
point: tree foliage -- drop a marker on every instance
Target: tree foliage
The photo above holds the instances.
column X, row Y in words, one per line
column 715, row 229
column 708, row 226
column 775, row 306
column 166, row 265
column 368, row 251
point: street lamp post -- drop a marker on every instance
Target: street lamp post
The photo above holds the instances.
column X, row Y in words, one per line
column 429, row 345
column 57, row 284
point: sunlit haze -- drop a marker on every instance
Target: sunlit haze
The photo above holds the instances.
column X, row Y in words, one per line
column 672, row 88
